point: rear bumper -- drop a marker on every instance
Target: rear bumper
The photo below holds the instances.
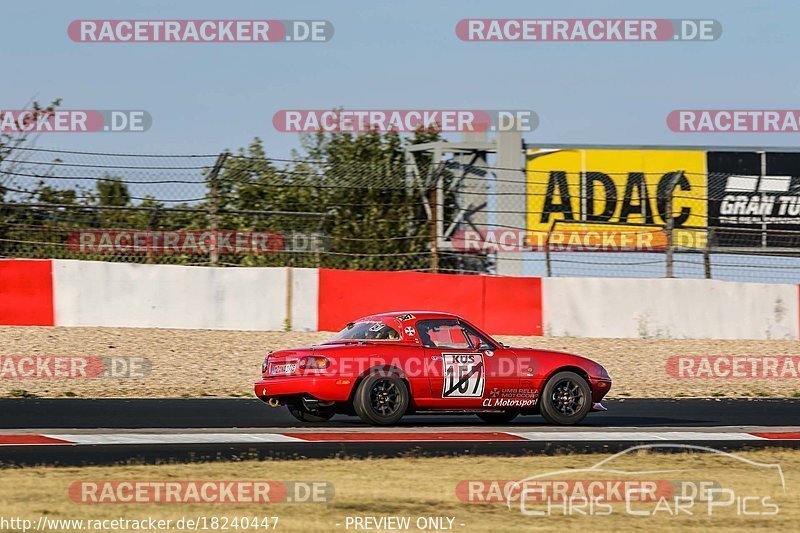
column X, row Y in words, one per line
column 326, row 389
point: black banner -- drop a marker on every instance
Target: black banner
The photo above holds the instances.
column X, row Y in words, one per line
column 753, row 198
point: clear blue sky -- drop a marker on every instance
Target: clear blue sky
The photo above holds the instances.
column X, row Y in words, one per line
column 206, row 97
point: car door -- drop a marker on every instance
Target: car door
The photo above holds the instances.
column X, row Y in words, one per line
column 460, row 373
column 503, row 372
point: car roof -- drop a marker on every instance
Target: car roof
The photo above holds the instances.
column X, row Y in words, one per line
column 418, row 315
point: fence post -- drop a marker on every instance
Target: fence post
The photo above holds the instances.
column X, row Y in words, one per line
column 151, row 226
column 433, row 200
column 707, row 253
column 287, row 324
column 436, row 201
column 547, row 263
column 213, row 206
column 669, row 223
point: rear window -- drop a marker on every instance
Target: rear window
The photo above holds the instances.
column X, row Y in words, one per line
column 367, row 331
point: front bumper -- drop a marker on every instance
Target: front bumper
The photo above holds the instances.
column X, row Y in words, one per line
column 600, row 387
column 326, row 389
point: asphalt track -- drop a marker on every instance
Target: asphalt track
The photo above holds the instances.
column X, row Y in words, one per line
column 103, row 431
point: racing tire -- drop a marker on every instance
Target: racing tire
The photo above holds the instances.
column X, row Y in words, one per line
column 303, row 415
column 500, row 417
column 381, row 400
column 566, row 399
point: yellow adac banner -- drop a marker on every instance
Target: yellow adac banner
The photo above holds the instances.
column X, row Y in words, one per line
column 596, row 189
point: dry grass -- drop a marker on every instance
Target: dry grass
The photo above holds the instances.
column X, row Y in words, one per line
column 425, row 487
column 225, row 363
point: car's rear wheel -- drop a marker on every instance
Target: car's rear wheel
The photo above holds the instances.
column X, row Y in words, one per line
column 566, row 399
column 381, row 400
column 500, row 417
column 304, row 415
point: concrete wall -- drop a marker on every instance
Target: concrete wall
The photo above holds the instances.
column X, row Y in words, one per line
column 304, row 298
column 90, row 294
column 669, row 308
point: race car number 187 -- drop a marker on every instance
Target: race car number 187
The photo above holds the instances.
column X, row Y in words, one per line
column 464, row 375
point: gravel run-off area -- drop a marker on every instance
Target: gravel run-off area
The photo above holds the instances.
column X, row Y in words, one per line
column 194, row 363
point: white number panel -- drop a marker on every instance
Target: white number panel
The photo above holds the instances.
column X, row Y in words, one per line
column 464, row 375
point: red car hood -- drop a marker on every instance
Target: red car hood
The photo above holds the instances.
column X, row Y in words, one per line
column 593, row 368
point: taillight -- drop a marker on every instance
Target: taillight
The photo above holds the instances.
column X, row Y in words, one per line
column 265, row 364
column 314, row 362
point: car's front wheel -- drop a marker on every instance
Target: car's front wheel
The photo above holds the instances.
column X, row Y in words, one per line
column 381, row 400
column 566, row 399
column 304, row 415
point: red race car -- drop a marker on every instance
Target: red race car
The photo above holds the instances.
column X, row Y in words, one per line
column 384, row 366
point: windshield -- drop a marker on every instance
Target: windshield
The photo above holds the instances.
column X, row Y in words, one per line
column 367, row 331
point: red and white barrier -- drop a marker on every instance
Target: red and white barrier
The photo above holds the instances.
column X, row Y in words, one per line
column 26, row 293
column 93, row 294
column 111, row 439
column 509, row 306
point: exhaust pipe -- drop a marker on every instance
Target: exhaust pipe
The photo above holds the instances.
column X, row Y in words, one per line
column 274, row 402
